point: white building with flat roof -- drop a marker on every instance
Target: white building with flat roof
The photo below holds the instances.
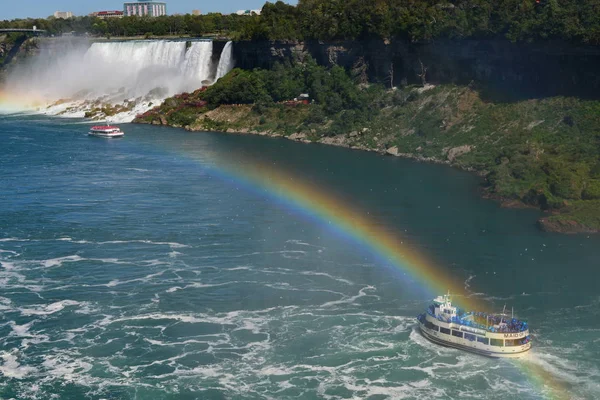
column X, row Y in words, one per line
column 63, row 14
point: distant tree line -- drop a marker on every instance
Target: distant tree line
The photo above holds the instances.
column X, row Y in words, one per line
column 411, row 20
column 177, row 25
column 419, row 20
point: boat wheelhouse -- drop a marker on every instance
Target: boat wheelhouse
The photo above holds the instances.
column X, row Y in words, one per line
column 106, row 131
column 492, row 335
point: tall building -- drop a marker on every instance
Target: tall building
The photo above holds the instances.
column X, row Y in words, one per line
column 63, row 14
column 143, row 8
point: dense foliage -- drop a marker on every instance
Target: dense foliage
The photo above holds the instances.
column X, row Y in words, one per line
column 413, row 20
column 331, row 90
column 417, row 20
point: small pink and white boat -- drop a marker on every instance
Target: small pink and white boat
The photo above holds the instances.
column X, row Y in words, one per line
column 106, row 131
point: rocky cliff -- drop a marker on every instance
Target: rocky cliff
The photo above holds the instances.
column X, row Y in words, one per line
column 13, row 49
column 502, row 69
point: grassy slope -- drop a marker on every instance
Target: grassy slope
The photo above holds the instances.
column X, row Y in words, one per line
column 542, row 152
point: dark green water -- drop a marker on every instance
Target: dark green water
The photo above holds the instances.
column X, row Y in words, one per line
column 133, row 269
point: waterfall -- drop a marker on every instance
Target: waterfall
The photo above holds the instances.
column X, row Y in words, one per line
column 225, row 62
column 134, row 68
column 198, row 62
column 135, row 74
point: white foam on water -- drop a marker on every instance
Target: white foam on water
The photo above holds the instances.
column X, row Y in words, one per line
column 576, row 375
column 240, row 268
column 351, row 299
column 57, row 262
column 145, row 279
column 12, row 239
column 138, row 169
column 11, row 368
column 9, row 252
column 65, row 368
column 48, row 308
column 216, row 339
column 499, row 384
column 313, row 273
column 302, row 243
column 7, row 266
column 6, row 304
column 21, row 330
column 174, row 245
column 113, row 283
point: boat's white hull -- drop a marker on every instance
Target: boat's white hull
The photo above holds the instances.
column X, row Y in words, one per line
column 107, row 135
column 473, row 346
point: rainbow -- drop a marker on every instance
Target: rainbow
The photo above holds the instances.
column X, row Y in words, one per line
column 11, row 102
column 352, row 224
column 312, row 201
column 547, row 383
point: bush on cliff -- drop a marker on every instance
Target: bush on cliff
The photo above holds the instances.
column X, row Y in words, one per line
column 330, row 88
column 238, row 87
column 592, row 190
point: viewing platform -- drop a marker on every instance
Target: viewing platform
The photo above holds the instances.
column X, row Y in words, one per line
column 34, row 31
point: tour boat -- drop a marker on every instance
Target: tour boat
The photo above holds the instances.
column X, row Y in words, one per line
column 492, row 335
column 106, row 131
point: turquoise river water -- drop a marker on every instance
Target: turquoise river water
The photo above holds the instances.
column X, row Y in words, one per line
column 134, row 269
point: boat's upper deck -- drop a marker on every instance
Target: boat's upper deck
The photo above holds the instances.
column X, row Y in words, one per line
column 443, row 310
column 105, row 129
column 489, row 322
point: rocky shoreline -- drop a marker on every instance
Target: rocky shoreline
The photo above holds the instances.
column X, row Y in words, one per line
column 565, row 226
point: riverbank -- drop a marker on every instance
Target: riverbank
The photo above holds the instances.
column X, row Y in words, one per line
column 535, row 153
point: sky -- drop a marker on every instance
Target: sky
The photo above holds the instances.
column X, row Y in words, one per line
column 10, row 9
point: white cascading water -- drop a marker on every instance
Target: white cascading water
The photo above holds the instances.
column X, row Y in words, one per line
column 139, row 74
column 198, row 62
column 225, row 61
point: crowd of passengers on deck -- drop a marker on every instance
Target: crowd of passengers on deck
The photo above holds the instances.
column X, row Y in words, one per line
column 509, row 325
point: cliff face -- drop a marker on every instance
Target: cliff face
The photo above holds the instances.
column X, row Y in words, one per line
column 503, row 70
column 9, row 47
column 13, row 51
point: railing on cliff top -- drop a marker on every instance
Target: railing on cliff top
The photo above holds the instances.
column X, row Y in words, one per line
column 35, row 31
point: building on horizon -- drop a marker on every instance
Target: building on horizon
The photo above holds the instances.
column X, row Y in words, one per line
column 63, row 14
column 107, row 14
column 145, row 8
column 196, row 12
column 248, row 12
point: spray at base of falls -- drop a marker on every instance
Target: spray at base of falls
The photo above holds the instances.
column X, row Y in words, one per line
column 112, row 81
